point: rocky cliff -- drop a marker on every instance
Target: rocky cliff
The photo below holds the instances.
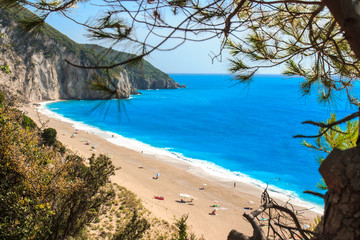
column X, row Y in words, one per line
column 34, row 65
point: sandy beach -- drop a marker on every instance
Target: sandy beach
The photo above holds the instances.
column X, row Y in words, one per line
column 137, row 170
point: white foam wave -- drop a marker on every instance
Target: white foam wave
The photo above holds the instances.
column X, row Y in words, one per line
column 165, row 154
column 227, row 175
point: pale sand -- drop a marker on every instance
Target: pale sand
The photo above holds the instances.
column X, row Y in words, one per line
column 174, row 178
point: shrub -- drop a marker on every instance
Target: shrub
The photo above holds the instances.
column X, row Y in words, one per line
column 49, row 136
column 134, row 230
column 62, row 150
column 181, row 227
column 44, row 195
column 2, row 98
column 28, row 122
column 5, row 68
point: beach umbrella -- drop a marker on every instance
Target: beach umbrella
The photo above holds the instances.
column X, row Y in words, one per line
column 184, row 195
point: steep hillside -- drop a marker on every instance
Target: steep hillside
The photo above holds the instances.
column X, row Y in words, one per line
column 144, row 77
column 34, row 65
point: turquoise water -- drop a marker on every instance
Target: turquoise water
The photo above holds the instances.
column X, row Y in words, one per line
column 247, row 130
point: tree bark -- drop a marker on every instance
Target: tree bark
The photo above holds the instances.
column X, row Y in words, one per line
column 347, row 14
column 235, row 235
column 341, row 169
column 341, row 172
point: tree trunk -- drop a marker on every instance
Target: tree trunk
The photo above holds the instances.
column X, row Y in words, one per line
column 341, row 169
column 347, row 14
column 341, row 172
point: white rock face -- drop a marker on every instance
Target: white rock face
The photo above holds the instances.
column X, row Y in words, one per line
column 39, row 70
column 38, row 76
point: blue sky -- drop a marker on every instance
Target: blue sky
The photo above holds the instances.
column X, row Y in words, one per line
column 191, row 57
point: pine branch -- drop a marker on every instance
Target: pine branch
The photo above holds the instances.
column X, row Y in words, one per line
column 315, row 194
column 328, row 126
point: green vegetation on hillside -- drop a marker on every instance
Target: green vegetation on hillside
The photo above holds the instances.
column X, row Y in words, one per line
column 89, row 54
column 49, row 136
column 145, row 69
column 47, row 192
column 43, row 194
column 23, row 17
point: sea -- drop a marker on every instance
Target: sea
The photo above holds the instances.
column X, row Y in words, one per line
column 233, row 131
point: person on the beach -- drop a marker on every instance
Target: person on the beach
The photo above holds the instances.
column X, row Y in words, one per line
column 234, row 184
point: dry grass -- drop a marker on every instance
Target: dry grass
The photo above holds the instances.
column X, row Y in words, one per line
column 118, row 212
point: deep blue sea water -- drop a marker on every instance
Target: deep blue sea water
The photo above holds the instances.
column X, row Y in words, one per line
column 243, row 129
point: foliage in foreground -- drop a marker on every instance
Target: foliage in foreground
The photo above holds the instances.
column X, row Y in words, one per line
column 47, row 194
column 49, row 136
column 135, row 229
column 335, row 137
column 126, row 218
column 44, row 195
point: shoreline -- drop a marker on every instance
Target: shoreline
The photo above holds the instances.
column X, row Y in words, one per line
column 206, row 169
column 176, row 176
